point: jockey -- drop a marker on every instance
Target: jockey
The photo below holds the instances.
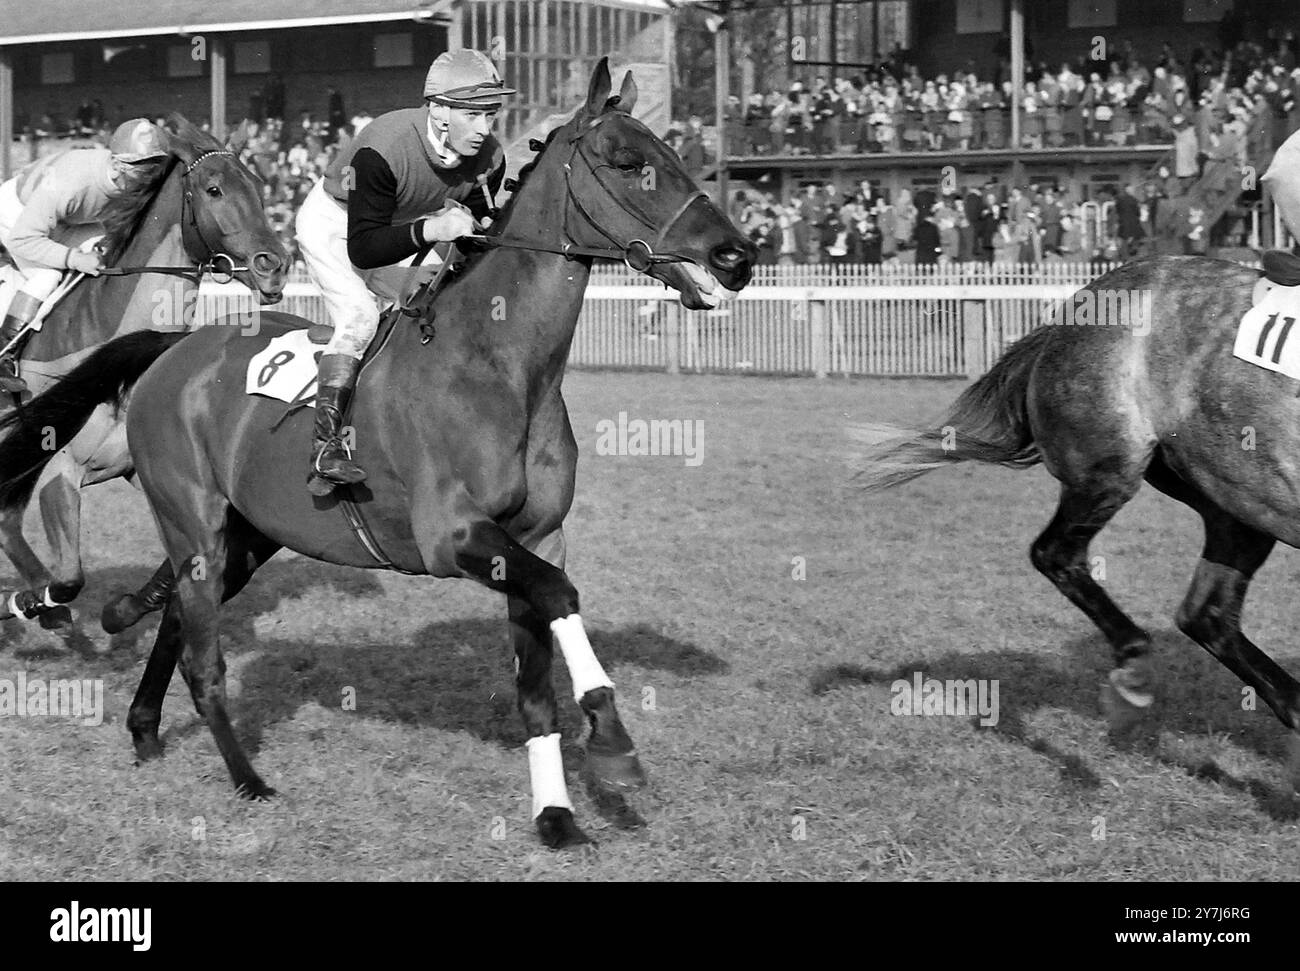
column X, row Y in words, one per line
column 68, row 190
column 1283, row 182
column 411, row 178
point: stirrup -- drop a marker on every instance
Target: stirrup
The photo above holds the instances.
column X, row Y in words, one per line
column 10, row 382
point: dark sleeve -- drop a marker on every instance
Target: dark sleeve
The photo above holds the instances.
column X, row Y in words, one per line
column 477, row 203
column 373, row 240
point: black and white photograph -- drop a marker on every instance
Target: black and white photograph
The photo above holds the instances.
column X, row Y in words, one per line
column 858, row 429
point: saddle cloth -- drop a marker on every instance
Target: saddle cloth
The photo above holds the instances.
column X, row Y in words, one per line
column 1267, row 336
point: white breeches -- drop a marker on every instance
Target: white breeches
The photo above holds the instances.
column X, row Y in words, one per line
column 349, row 293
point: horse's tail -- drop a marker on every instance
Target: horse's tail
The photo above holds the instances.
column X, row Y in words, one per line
column 988, row 423
column 38, row 429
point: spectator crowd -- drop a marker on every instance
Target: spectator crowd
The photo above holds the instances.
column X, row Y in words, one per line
column 1118, row 102
column 989, row 223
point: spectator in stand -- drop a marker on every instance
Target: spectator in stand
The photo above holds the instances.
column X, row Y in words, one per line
column 927, row 241
column 1006, row 245
column 1070, row 247
column 757, row 118
column 1196, row 238
column 779, row 123
column 692, row 147
column 1129, row 229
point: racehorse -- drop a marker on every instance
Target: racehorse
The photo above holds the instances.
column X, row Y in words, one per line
column 1160, row 397
column 461, row 423
column 203, row 214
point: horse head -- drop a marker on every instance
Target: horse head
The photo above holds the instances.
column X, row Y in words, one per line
column 223, row 222
column 627, row 191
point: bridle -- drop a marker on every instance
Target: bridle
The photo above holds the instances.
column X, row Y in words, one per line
column 637, row 254
column 192, row 237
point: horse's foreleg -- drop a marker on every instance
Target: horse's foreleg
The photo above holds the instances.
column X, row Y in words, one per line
column 29, row 566
column 548, row 608
column 60, row 502
column 534, row 652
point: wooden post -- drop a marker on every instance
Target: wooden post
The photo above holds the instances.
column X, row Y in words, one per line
column 672, row 334
column 456, row 25
column 217, row 107
column 972, row 325
column 1017, row 83
column 817, row 335
column 722, row 87
column 6, row 113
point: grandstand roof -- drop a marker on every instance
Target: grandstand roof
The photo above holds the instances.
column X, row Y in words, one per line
column 65, row 20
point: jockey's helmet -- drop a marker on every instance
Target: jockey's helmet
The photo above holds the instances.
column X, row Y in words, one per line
column 465, row 79
column 138, row 140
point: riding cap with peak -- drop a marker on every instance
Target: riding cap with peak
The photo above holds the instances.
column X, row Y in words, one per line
column 465, row 79
column 138, row 140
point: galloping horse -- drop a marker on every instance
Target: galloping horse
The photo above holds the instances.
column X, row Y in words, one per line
column 1162, row 397
column 204, row 214
column 467, row 440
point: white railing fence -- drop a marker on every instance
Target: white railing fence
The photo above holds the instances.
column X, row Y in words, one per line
column 820, row 320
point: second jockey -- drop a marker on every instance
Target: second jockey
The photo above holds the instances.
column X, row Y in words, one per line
column 413, row 177
column 58, row 196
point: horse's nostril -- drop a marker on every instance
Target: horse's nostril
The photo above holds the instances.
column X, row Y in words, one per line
column 727, row 257
column 265, row 262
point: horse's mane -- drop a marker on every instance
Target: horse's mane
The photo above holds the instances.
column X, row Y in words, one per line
column 124, row 214
column 472, row 257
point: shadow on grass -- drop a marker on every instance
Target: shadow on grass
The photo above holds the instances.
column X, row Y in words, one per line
column 455, row 676
column 1194, row 696
column 279, row 580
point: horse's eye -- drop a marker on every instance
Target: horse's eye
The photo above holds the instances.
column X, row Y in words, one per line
column 214, row 191
column 627, row 160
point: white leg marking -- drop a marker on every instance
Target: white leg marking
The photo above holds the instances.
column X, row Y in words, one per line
column 580, row 659
column 546, row 773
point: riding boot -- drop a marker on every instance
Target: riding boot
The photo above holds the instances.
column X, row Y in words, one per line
column 21, row 311
column 332, row 462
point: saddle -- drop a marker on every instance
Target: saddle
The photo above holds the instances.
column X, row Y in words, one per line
column 1282, row 268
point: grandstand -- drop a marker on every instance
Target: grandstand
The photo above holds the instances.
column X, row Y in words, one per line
column 63, row 63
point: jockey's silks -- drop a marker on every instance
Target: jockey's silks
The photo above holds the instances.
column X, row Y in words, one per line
column 69, row 188
column 390, row 177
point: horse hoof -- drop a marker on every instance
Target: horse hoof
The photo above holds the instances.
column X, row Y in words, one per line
column 56, row 618
column 616, row 773
column 148, row 747
column 1123, row 706
column 254, row 790
column 558, row 830
column 119, row 614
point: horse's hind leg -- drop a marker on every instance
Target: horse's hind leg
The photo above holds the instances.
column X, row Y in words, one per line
column 126, row 609
column 247, row 550
column 1061, row 554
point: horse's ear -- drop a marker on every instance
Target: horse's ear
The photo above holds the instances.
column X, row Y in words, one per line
column 627, row 94
column 598, row 90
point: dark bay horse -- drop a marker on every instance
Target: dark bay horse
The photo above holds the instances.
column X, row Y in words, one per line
column 466, row 439
column 1157, row 397
column 205, row 211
